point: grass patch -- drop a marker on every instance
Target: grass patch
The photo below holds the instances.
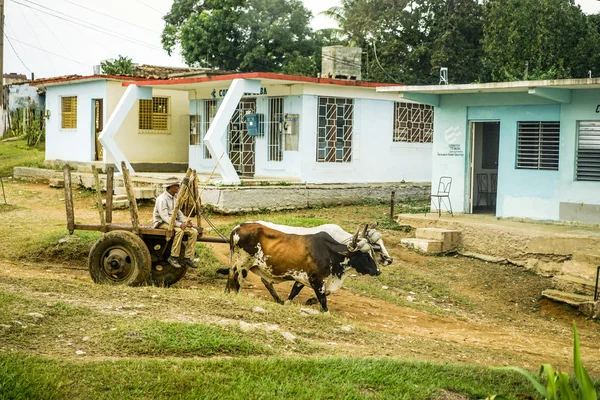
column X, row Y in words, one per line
column 432, row 297
column 59, row 246
column 26, row 377
column 18, row 154
column 181, row 339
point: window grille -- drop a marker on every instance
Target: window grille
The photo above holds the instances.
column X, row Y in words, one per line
column 195, row 130
column 210, row 110
column 334, row 129
column 69, row 112
column 413, row 123
column 538, row 145
column 276, row 120
column 588, row 151
column 154, row 116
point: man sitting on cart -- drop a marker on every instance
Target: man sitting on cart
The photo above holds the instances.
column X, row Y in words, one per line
column 163, row 212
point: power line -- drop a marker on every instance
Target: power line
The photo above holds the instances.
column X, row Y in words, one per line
column 36, row 37
column 46, row 51
column 149, row 6
column 101, row 30
column 109, row 16
column 377, row 59
column 15, row 51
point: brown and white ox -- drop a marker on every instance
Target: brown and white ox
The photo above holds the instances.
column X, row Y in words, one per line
column 369, row 237
column 316, row 260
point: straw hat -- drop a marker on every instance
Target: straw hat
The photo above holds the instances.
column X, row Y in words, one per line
column 172, row 181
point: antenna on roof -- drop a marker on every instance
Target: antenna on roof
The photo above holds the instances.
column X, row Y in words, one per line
column 443, row 76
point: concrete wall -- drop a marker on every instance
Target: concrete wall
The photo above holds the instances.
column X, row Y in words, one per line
column 72, row 144
column 521, row 193
column 23, row 95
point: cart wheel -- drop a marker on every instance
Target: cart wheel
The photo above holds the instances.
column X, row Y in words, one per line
column 164, row 274
column 120, row 258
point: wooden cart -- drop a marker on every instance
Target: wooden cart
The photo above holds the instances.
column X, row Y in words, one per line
column 130, row 254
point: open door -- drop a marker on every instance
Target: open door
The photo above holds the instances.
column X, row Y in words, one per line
column 98, row 127
column 483, row 166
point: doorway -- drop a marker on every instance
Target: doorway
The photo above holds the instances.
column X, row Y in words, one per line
column 240, row 144
column 483, row 167
column 98, row 126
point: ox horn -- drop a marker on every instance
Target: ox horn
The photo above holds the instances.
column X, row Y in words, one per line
column 354, row 240
column 365, row 231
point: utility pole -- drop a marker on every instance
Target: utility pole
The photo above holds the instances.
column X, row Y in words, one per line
column 2, row 119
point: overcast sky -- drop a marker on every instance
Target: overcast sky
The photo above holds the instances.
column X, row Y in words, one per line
column 63, row 37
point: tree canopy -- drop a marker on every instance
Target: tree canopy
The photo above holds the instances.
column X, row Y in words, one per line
column 405, row 41
column 244, row 35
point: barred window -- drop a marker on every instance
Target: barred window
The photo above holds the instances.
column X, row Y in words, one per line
column 275, row 143
column 210, row 111
column 69, row 112
column 334, row 129
column 413, row 123
column 538, row 145
column 588, row 151
column 154, row 115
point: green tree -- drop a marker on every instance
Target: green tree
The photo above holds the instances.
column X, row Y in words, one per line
column 538, row 39
column 245, row 35
column 408, row 41
column 120, row 66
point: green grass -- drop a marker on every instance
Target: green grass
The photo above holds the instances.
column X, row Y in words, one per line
column 33, row 377
column 18, row 154
column 59, row 246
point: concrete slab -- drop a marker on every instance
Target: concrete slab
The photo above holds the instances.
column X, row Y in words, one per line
column 449, row 237
column 423, row 245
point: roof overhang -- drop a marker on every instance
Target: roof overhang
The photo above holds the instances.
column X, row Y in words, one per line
column 557, row 90
column 266, row 78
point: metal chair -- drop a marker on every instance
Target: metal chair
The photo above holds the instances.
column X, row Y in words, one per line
column 483, row 191
column 493, row 190
column 443, row 191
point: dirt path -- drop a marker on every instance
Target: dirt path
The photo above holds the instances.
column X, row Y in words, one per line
column 505, row 322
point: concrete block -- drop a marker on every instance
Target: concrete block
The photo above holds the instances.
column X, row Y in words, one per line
column 138, row 192
column 449, row 238
column 566, row 297
column 424, row 245
column 574, row 284
column 579, row 269
column 57, row 183
column 120, row 204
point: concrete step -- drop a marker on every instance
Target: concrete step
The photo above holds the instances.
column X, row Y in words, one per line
column 119, row 202
column 138, row 192
column 591, row 257
column 585, row 304
column 566, row 297
column 424, row 245
column 575, row 284
column 449, row 237
column 579, row 269
column 57, row 183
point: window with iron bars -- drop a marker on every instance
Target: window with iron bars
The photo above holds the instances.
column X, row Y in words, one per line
column 275, row 144
column 155, row 116
column 413, row 123
column 69, row 112
column 334, row 129
column 538, row 145
column 210, row 110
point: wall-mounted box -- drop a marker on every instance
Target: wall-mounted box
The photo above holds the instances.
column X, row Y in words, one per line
column 255, row 124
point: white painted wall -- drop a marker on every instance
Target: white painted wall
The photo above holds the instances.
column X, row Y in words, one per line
column 153, row 148
column 72, row 144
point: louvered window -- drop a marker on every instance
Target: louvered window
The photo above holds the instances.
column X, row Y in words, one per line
column 538, row 145
column 588, row 151
column 69, row 112
column 154, row 116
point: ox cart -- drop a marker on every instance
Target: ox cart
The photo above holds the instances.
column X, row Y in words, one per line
column 132, row 255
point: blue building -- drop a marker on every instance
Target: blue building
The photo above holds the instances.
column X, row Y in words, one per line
column 526, row 149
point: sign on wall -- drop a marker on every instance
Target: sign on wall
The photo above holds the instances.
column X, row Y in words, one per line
column 454, row 147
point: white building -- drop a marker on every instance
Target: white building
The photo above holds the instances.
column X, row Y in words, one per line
column 264, row 125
